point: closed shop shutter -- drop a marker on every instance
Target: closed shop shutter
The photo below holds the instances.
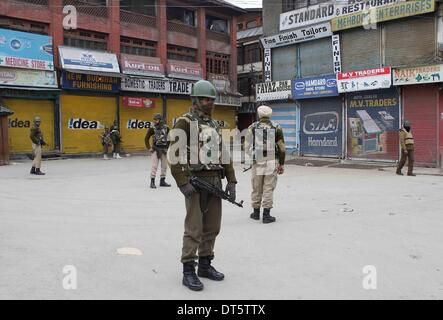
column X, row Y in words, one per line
column 321, row 127
column 135, row 123
column 410, row 41
column 175, row 109
column 20, row 123
column 373, row 121
column 83, row 122
column 315, row 57
column 421, row 108
column 285, row 115
column 360, row 49
column 284, row 63
column 225, row 115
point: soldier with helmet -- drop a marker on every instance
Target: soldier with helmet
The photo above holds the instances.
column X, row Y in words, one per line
column 203, row 211
column 159, row 131
column 407, row 149
column 37, row 143
column 266, row 145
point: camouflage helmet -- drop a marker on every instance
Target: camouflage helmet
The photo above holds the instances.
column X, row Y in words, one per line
column 37, row 119
column 204, row 89
column 158, row 116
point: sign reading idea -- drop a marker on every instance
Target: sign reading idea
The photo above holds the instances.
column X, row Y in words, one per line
column 380, row 14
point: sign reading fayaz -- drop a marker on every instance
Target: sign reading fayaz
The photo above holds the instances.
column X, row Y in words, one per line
column 276, row 90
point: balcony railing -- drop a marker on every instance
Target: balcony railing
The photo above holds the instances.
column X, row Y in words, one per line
column 89, row 8
column 137, row 18
column 218, row 36
column 182, row 28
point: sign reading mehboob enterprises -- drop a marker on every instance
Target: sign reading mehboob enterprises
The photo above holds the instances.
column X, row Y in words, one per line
column 363, row 80
column 380, row 14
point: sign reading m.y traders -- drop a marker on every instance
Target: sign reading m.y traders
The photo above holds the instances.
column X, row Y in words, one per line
column 297, row 36
column 418, row 75
column 364, row 80
column 386, row 13
column 277, row 90
column 26, row 50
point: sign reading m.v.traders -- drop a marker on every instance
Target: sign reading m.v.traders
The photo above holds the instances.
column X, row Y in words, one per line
column 276, row 90
column 300, row 35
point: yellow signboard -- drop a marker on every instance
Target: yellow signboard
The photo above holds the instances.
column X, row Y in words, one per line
column 83, row 122
column 20, row 123
column 385, row 13
column 135, row 123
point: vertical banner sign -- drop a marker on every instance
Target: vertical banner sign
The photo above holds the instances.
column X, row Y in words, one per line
column 336, row 53
column 267, row 75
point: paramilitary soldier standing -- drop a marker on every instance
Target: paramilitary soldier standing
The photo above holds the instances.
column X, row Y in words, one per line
column 267, row 163
column 203, row 211
column 37, row 143
column 159, row 132
column 407, row 149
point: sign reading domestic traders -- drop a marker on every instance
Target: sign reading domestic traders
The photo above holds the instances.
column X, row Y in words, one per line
column 390, row 12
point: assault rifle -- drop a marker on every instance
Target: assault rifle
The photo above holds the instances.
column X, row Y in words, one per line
column 201, row 184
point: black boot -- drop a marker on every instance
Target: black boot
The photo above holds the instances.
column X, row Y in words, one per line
column 32, row 170
column 190, row 279
column 256, row 214
column 163, row 183
column 153, row 183
column 267, row 218
column 38, row 172
column 205, row 270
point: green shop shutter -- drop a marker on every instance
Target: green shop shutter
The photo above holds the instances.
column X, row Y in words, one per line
column 284, row 63
column 316, row 57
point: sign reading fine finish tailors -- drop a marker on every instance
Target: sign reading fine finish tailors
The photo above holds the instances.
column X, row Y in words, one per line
column 315, row 87
column 277, row 90
column 364, row 80
column 89, row 82
column 386, row 13
column 418, row 75
column 300, row 35
column 26, row 50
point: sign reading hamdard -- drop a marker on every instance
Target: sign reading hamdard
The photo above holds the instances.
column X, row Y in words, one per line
column 276, row 90
column 326, row 11
column 385, row 13
column 297, row 36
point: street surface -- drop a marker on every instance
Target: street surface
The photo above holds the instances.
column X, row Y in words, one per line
column 331, row 223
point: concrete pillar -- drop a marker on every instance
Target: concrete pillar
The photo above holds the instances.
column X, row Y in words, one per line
column 202, row 40
column 114, row 25
column 233, row 61
column 162, row 26
column 56, row 27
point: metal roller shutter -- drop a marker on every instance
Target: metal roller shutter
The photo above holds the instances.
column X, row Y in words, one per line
column 404, row 34
column 315, row 57
column 284, row 63
column 286, row 116
column 421, row 108
column 360, row 49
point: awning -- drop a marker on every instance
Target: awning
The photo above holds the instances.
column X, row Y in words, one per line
column 29, row 88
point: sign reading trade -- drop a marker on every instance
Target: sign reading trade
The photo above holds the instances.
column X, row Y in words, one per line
column 315, row 87
column 26, row 50
column 386, row 13
column 89, row 82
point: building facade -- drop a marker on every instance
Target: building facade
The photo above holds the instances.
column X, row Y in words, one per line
column 358, row 69
column 92, row 62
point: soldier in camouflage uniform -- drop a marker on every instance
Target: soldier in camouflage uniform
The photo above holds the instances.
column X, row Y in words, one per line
column 268, row 162
column 407, row 149
column 37, row 143
column 203, row 211
column 159, row 131
column 106, row 142
column 116, row 140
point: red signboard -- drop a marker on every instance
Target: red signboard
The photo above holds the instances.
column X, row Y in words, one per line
column 135, row 102
column 364, row 73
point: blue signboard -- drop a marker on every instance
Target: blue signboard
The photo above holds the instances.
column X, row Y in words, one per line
column 321, row 131
column 316, row 87
column 90, row 82
column 26, row 50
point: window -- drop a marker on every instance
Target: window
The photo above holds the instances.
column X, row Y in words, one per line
column 240, row 56
column 85, row 39
column 181, row 15
column 289, row 5
column 146, row 7
column 217, row 24
column 182, row 53
column 252, row 24
column 217, row 63
column 253, row 53
column 23, row 25
column 239, row 26
column 138, row 47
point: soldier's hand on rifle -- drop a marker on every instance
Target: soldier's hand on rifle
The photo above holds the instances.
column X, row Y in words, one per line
column 280, row 169
column 188, row 190
column 230, row 189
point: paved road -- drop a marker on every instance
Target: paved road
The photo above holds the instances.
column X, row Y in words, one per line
column 331, row 223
